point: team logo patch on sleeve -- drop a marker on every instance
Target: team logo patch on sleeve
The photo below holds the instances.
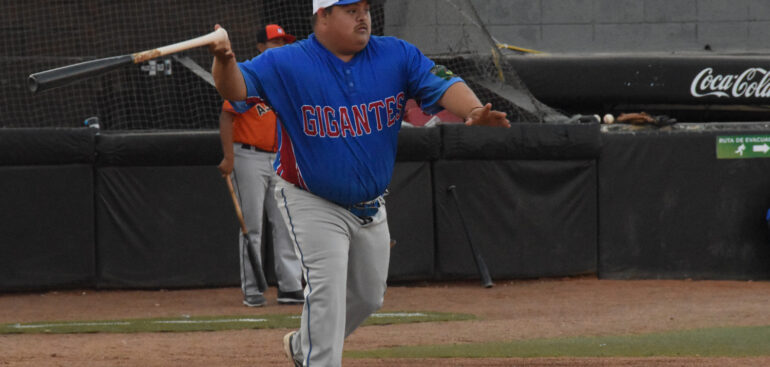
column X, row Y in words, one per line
column 442, row 72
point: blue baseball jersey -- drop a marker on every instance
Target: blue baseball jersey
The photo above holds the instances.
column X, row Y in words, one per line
column 340, row 120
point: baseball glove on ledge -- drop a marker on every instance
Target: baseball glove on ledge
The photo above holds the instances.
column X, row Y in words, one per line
column 644, row 118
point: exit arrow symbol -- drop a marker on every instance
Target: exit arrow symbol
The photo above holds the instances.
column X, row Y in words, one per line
column 761, row 148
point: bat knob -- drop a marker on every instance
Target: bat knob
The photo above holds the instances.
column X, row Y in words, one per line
column 32, row 83
column 450, row 188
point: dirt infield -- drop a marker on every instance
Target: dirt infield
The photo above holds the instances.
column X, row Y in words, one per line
column 510, row 311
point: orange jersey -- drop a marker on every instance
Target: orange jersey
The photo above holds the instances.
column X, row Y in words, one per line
column 255, row 127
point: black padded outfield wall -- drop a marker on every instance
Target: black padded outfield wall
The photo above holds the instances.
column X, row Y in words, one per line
column 528, row 195
column 670, row 209
column 410, row 205
column 46, row 208
column 164, row 217
column 150, row 210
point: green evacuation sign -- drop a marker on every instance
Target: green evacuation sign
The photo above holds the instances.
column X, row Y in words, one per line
column 743, row 146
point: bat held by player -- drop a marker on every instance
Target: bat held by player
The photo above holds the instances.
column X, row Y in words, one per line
column 64, row 75
column 253, row 256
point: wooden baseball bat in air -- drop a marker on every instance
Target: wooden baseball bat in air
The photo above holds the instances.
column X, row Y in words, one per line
column 67, row 74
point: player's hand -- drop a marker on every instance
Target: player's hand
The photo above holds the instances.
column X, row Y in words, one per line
column 486, row 116
column 226, row 166
column 222, row 49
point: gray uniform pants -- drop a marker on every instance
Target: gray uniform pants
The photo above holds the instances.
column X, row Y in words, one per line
column 254, row 181
column 345, row 263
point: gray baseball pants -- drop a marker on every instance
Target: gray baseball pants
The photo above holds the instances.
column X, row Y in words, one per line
column 254, row 181
column 345, row 262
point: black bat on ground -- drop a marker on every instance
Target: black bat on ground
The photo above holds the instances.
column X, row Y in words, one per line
column 67, row 74
column 254, row 258
column 486, row 280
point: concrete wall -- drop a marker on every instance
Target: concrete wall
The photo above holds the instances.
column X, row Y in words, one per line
column 587, row 25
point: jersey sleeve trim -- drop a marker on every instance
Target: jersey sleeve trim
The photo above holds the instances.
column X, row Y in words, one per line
column 251, row 90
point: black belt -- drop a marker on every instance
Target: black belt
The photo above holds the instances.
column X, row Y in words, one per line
column 251, row 147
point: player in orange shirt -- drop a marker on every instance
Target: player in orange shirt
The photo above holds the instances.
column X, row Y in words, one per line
column 249, row 143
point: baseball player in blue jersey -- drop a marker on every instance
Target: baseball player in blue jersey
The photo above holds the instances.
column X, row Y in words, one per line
column 340, row 96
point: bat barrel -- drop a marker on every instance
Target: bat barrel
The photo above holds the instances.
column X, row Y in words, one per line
column 58, row 77
column 67, row 74
column 486, row 279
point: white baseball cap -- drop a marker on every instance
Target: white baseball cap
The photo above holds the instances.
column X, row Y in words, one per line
column 318, row 4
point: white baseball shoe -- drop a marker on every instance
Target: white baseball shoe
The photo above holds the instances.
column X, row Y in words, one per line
column 289, row 349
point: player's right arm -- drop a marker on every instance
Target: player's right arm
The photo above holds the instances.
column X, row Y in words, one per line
column 227, row 76
column 226, row 135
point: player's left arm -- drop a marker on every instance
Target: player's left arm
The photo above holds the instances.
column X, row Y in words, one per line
column 226, row 136
column 437, row 87
column 461, row 101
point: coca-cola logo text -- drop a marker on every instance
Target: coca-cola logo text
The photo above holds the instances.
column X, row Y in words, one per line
column 751, row 83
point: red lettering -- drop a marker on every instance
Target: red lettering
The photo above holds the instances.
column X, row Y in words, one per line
column 321, row 122
column 376, row 106
column 361, row 119
column 392, row 112
column 401, row 99
column 332, row 126
column 345, row 122
column 311, row 124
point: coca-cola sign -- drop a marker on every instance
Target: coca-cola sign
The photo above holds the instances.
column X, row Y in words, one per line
column 751, row 83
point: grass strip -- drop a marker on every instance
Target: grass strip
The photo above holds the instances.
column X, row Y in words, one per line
column 710, row 342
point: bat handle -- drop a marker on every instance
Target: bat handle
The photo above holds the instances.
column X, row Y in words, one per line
column 218, row 35
column 238, row 211
column 254, row 257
